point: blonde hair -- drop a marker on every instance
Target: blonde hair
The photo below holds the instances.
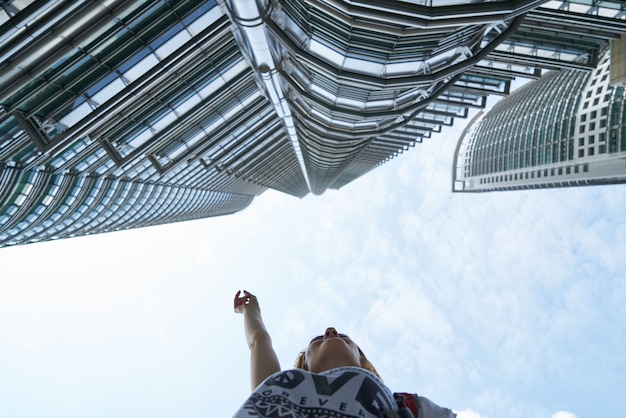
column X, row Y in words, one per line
column 365, row 363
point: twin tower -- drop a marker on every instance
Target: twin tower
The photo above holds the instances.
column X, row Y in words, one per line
column 126, row 113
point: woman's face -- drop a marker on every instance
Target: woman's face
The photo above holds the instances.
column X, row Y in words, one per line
column 331, row 350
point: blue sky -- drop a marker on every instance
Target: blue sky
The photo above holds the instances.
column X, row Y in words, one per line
column 506, row 304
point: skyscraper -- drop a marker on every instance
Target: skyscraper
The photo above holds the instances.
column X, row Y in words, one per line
column 566, row 129
column 120, row 114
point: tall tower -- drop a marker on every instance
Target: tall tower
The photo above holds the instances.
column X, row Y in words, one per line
column 566, row 129
column 118, row 114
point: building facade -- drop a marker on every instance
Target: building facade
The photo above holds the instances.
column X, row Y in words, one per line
column 118, row 114
column 566, row 129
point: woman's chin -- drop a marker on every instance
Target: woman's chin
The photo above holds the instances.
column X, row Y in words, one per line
column 333, row 356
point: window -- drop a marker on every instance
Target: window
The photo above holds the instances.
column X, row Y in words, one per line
column 581, row 141
column 560, row 171
column 581, row 129
column 593, row 114
column 602, row 149
column 583, row 117
column 602, row 137
column 588, row 94
column 602, row 123
column 576, row 169
column 581, row 153
column 596, row 101
column 592, row 126
column 607, row 97
column 604, row 111
column 590, row 151
column 568, row 170
column 592, row 139
column 586, row 105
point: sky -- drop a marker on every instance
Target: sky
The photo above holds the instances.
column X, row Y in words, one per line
column 497, row 305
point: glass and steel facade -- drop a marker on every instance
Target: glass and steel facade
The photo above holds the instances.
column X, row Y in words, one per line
column 124, row 113
column 566, row 129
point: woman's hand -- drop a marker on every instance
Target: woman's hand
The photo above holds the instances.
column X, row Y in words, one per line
column 241, row 303
column 263, row 360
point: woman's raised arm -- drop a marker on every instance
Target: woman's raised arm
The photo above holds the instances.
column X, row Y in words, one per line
column 263, row 359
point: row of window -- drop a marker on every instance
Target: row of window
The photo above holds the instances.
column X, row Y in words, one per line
column 534, row 128
column 596, row 101
column 539, row 115
column 548, row 172
column 123, row 203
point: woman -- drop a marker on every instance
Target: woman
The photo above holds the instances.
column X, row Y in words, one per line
column 332, row 378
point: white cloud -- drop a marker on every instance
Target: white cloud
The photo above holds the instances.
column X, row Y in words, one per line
column 563, row 414
column 468, row 413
